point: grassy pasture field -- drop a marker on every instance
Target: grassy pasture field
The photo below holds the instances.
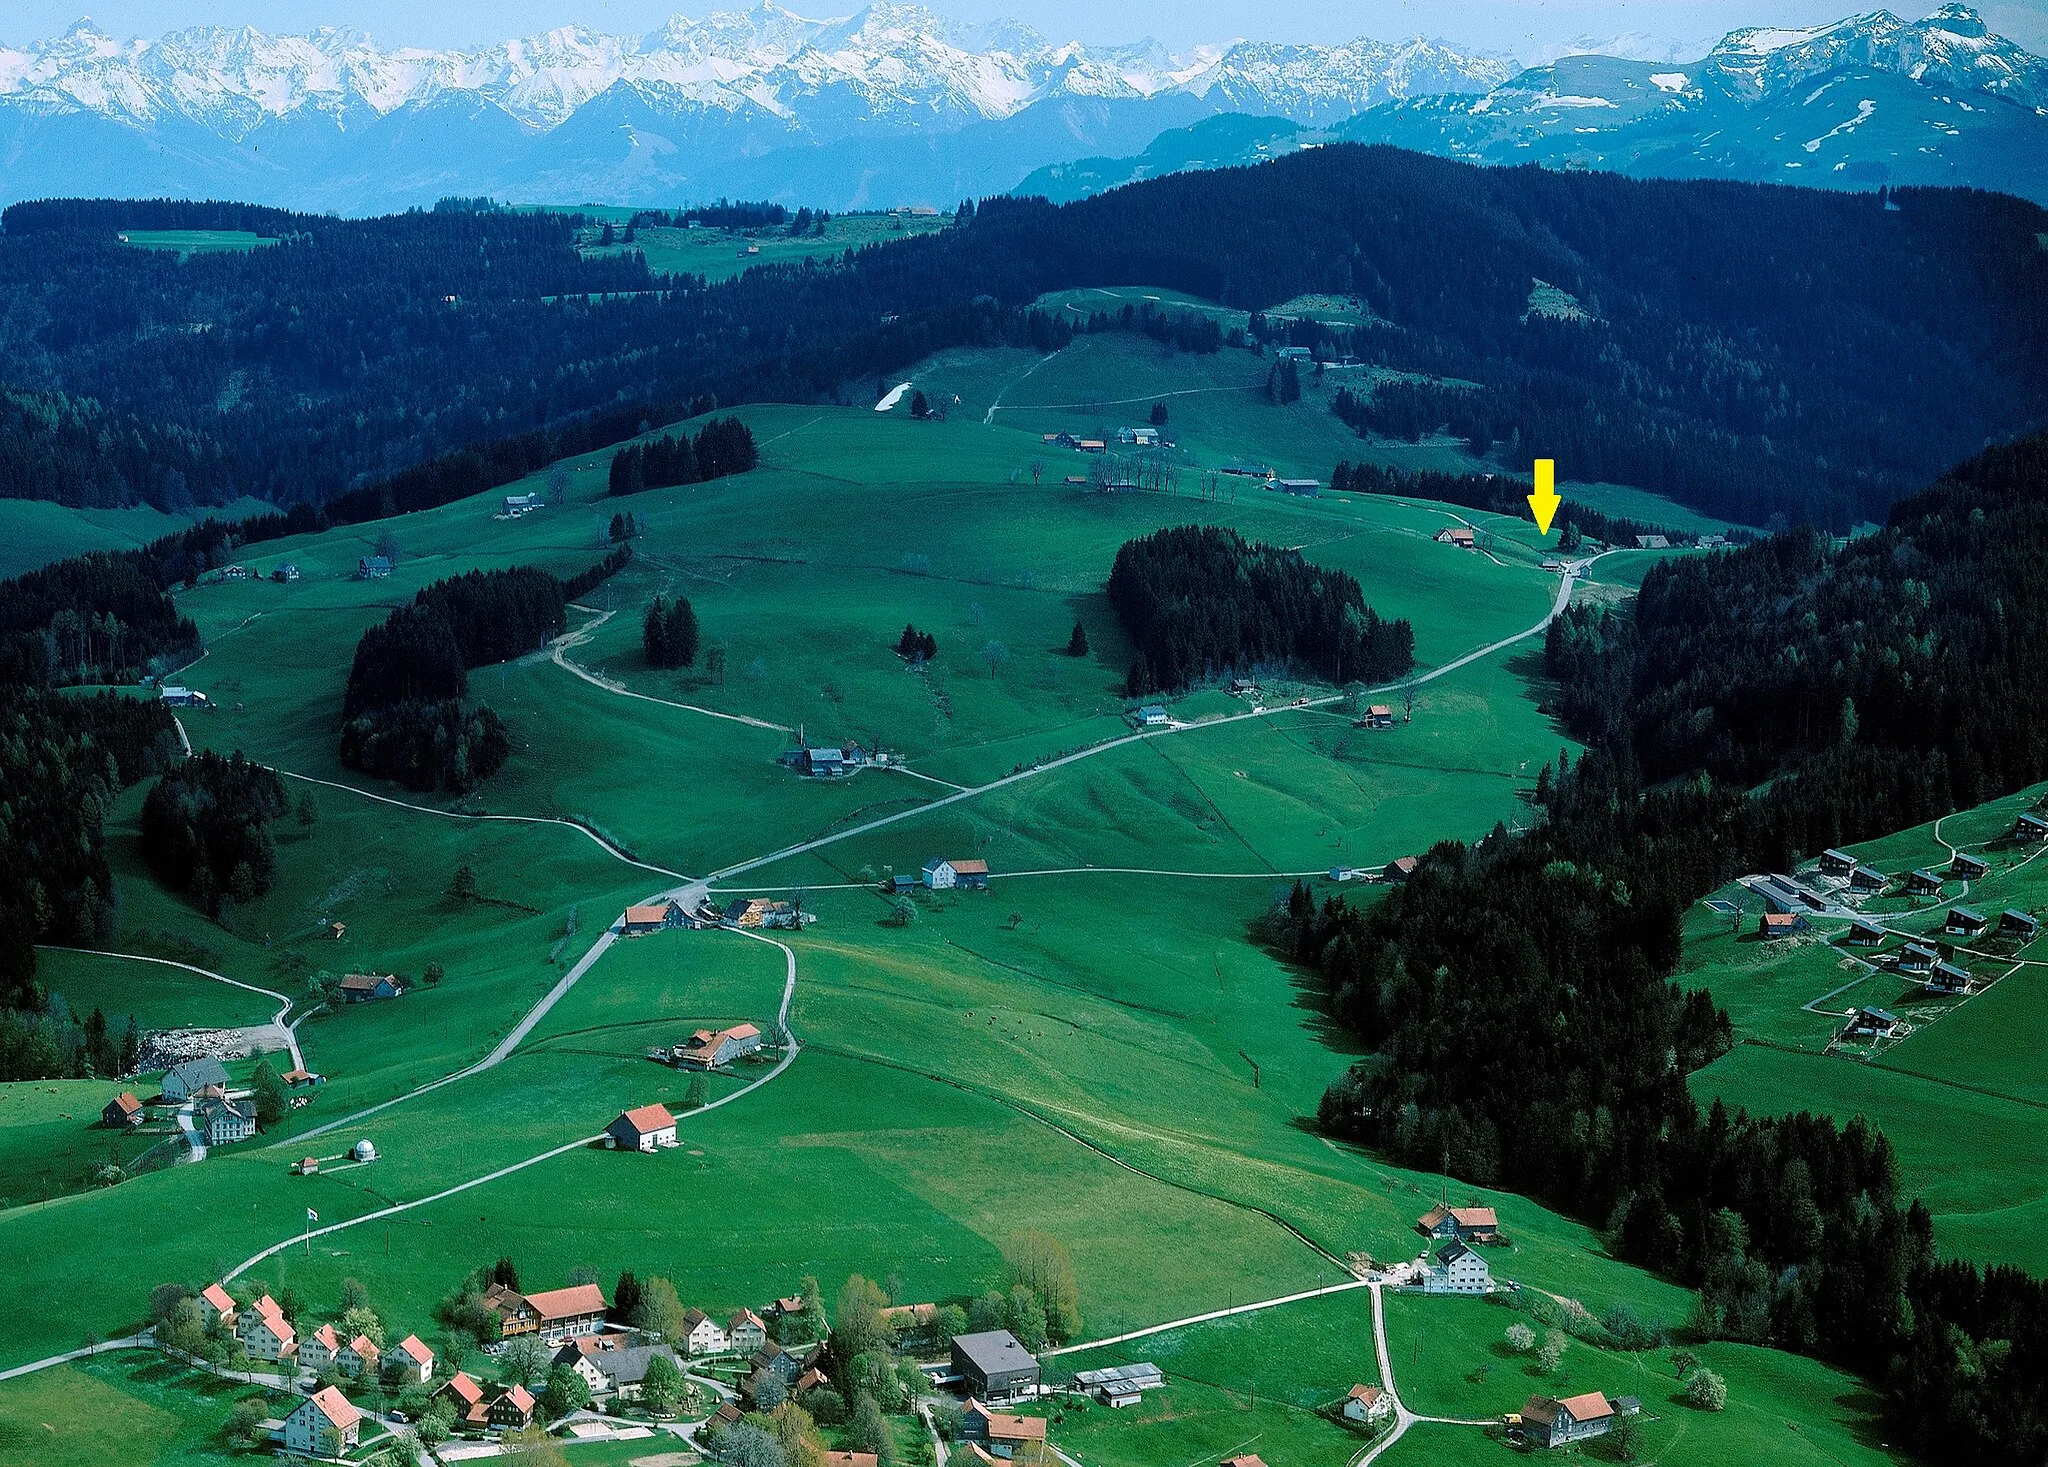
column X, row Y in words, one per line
column 35, row 532
column 125, row 1406
column 196, row 241
column 720, row 254
column 1114, row 1057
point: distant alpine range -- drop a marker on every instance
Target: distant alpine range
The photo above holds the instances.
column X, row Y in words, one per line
column 896, row 105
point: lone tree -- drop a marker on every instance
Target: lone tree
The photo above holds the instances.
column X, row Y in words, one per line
column 1077, row 644
column 1159, row 415
column 1706, row 1390
column 662, row 1386
column 920, row 406
column 669, row 635
column 269, row 1093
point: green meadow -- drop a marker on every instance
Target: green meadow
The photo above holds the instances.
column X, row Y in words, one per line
column 125, row 1407
column 196, row 241
column 720, row 254
column 1102, row 1046
column 34, row 532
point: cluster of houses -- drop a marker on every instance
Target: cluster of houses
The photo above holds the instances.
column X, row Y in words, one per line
column 945, row 873
column 1083, row 445
column 708, row 1049
column 834, row 761
column 1452, row 1265
column 761, row 912
column 219, row 1117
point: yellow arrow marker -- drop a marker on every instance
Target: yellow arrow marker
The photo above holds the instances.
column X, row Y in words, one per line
column 1544, row 502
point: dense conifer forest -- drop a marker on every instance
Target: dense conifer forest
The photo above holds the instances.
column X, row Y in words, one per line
column 1200, row 602
column 206, row 828
column 1519, row 995
column 1750, row 350
column 722, row 446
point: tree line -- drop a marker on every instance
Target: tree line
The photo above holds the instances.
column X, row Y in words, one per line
column 1200, row 601
column 206, row 829
column 1497, row 494
column 722, row 446
column 1520, row 996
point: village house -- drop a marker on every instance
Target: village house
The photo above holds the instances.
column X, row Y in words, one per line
column 518, row 504
column 234, row 573
column 1091, row 445
column 1948, row 978
column 643, row 1128
column 1963, row 922
column 511, row 1409
column 1466, row 1224
column 941, row 874
column 217, row 1308
column 745, row 912
column 1868, row 878
column 1367, row 1403
column 1117, row 1386
column 652, row 917
column 322, row 1425
column 1837, row 863
column 1653, row 542
column 1863, row 934
column 710, row 1048
column 1152, row 715
column 410, row 1360
column 1002, row 1434
column 223, row 1121
column 369, row 987
column 472, row 1410
column 285, row 573
column 1780, row 924
column 727, row 1415
column 1246, row 1459
column 373, row 568
column 183, row 1081
column 745, row 1332
column 123, row 1111
column 1454, row 1268
column 625, row 1370
column 787, row 1305
column 1458, row 535
column 993, row 1366
column 1300, row 488
column 318, row 1349
column 1915, row 957
column 1871, row 1023
column 1549, row 1422
column 1379, row 715
column 1138, row 437
column 702, row 1335
column 265, row 1333
column 300, row 1079
column 1967, row 867
column 2030, row 829
column 1923, row 883
column 810, row 1380
column 579, row 1355
column 2013, row 923
column 1400, row 869
column 561, row 1314
column 785, row 1364
column 359, row 1357
column 176, row 697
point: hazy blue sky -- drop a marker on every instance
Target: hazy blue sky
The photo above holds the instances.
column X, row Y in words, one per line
column 1520, row 27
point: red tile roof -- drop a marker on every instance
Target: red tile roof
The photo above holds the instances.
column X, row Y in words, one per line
column 332, row 1404
column 568, row 1303
column 419, row 1353
column 645, row 1118
column 218, row 1297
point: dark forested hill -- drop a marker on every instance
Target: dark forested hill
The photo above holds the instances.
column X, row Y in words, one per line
column 1751, row 349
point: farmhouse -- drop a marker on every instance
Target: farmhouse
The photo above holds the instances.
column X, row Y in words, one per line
column 516, row 504
column 624, row 1370
column 1963, row 922
column 226, row 1121
column 511, row 1409
column 285, row 574
column 1915, row 957
column 745, row 1332
column 1549, row 1422
column 1301, row 488
column 412, row 1360
column 1466, row 1224
column 2030, row 829
column 810, row 1380
column 234, row 573
column 761, row 912
column 300, row 1079
column 788, row 1365
column 184, row 1081
column 1869, row 1023
column 710, row 1048
column 578, row 1355
column 1091, row 445
column 1862, row 934
column 471, row 1408
column 1292, row 354
column 1868, row 878
column 1247, row 1459
column 993, row 1366
column 2018, row 924
column 1401, row 868
column 1379, row 715
column 1780, row 924
column 373, row 568
column 1121, row 1385
column 1001, row 1433
column 1968, row 867
column 1152, row 715
column 317, row 1350
column 702, row 1334
column 1367, row 1403
column 942, row 874
column 1948, row 978
column 370, row 987
column 323, row 1425
column 727, row 1415
column 1837, row 863
column 563, row 1313
column 122, row 1111
column 652, row 917
column 1455, row 1269
column 176, row 697
column 1138, row 437
column 265, row 1333
column 1459, row 535
column 642, row 1129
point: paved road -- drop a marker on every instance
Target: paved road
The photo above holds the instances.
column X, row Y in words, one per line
column 140, row 1341
column 1155, row 1329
